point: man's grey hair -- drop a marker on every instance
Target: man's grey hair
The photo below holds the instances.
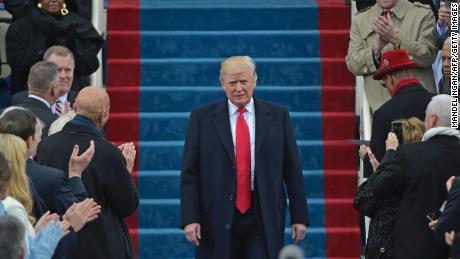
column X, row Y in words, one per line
column 57, row 50
column 448, row 41
column 12, row 234
column 42, row 76
column 440, row 105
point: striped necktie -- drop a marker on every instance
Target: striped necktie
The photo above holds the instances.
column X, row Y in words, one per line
column 58, row 107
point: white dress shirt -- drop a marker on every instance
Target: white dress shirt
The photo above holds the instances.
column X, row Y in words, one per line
column 249, row 116
column 63, row 99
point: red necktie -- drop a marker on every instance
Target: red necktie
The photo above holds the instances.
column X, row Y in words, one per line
column 243, row 163
column 385, row 12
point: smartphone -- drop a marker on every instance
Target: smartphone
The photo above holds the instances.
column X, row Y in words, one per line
column 396, row 128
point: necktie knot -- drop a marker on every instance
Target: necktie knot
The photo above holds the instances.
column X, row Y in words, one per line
column 386, row 12
column 241, row 110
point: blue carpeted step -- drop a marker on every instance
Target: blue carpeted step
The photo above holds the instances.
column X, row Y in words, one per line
column 166, row 184
column 167, row 155
column 164, row 213
column 205, row 71
column 172, row 126
column 184, row 99
column 227, row 15
column 215, row 44
column 171, row 243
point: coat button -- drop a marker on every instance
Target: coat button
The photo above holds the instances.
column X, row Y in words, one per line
column 228, row 226
column 230, row 197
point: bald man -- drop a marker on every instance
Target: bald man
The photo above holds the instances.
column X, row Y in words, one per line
column 107, row 178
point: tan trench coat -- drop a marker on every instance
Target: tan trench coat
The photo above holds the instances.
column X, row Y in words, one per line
column 416, row 22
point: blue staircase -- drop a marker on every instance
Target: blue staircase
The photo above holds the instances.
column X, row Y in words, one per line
column 181, row 45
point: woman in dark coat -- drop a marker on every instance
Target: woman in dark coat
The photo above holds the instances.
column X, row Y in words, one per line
column 48, row 25
column 381, row 235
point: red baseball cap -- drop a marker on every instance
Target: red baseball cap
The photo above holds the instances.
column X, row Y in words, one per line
column 393, row 60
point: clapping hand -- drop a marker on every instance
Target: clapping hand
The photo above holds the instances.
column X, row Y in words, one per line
column 449, row 183
column 78, row 163
column 81, row 213
column 129, row 152
column 392, row 141
column 386, row 29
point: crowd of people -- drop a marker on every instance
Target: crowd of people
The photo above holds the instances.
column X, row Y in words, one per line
column 65, row 190
column 65, row 196
column 403, row 50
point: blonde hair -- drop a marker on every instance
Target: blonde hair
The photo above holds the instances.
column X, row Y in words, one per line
column 238, row 64
column 412, row 130
column 15, row 151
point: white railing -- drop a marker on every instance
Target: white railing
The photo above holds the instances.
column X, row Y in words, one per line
column 98, row 23
column 363, row 110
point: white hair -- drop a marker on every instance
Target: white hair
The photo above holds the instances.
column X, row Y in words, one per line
column 58, row 124
column 440, row 106
column 448, row 41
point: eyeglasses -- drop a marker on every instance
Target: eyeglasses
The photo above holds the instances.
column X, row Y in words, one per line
column 382, row 82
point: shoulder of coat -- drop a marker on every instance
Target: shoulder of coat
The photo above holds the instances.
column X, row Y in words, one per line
column 418, row 4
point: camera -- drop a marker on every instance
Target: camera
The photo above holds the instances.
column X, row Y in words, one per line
column 396, row 128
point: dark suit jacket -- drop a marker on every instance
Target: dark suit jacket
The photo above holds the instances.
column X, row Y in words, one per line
column 106, row 180
column 409, row 101
column 450, row 217
column 19, row 97
column 208, row 180
column 42, row 111
column 39, row 207
column 58, row 192
column 418, row 173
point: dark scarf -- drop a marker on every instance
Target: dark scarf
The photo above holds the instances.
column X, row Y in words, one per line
column 82, row 120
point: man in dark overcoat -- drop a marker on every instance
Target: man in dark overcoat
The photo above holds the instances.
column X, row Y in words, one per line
column 107, row 179
column 239, row 154
column 417, row 174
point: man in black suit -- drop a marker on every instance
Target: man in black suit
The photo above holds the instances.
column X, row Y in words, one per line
column 239, row 153
column 42, row 81
column 409, row 99
column 107, row 178
column 64, row 59
column 417, row 174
